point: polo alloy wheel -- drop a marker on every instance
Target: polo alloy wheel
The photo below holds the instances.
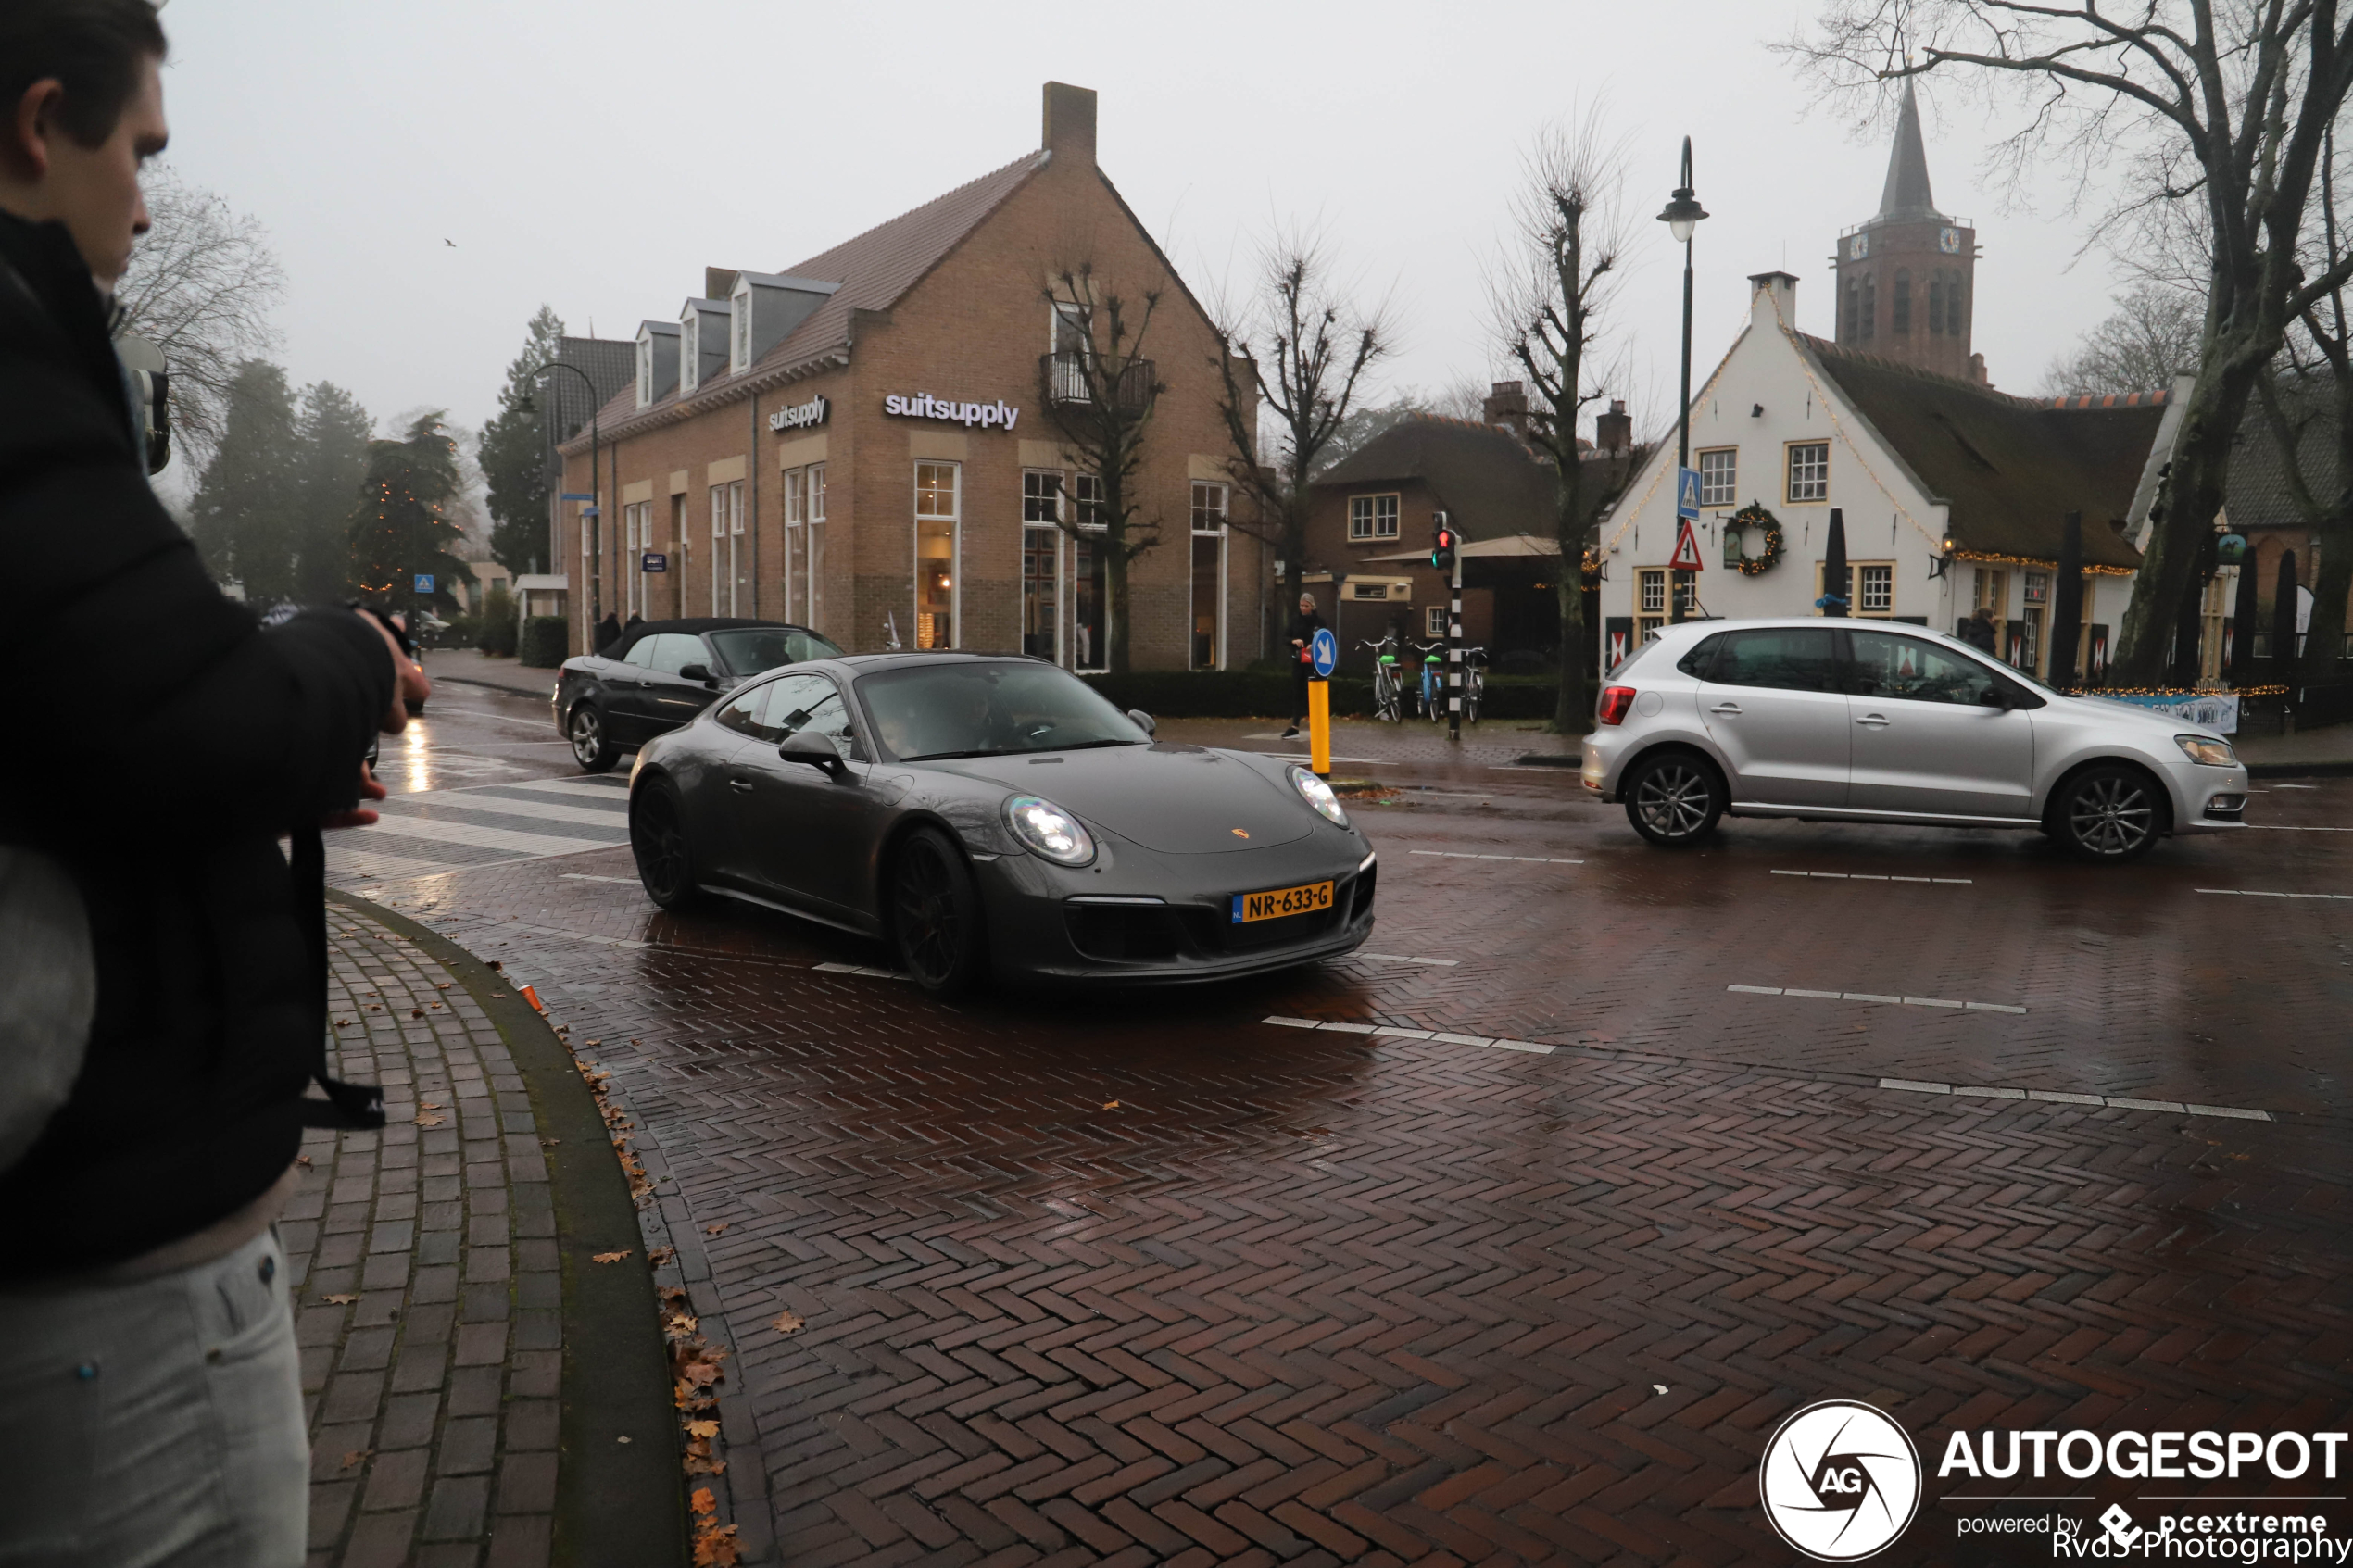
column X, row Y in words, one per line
column 2110, row 814
column 1674, row 800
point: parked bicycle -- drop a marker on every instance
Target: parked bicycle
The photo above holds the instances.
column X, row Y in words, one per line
column 1474, row 683
column 1387, row 691
column 1433, row 689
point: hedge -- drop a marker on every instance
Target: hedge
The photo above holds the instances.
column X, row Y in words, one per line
column 543, row 641
column 1239, row 694
column 495, row 628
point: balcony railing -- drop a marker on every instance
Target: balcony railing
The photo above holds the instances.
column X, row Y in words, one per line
column 1068, row 376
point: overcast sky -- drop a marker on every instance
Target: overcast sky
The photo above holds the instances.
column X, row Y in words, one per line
column 595, row 154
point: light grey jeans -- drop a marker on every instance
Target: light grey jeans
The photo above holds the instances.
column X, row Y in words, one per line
column 157, row 1421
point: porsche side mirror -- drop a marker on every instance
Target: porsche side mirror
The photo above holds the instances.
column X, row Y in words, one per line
column 1143, row 720
column 696, row 672
column 808, row 745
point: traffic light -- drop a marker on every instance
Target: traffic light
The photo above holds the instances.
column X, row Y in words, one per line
column 1442, row 542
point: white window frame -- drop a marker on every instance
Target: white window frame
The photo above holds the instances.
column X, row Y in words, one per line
column 1434, row 620
column 1863, row 605
column 1062, row 551
column 1373, row 517
column 954, row 518
column 1721, row 483
column 1816, row 480
column 645, row 369
column 739, row 329
column 690, row 353
column 1209, row 500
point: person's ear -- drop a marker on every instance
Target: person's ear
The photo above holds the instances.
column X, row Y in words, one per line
column 24, row 151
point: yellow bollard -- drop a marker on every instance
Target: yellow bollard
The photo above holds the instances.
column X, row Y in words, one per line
column 1319, row 727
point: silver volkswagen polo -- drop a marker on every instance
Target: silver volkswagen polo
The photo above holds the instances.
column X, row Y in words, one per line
column 1874, row 722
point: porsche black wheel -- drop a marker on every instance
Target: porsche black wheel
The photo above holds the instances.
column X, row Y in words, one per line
column 658, row 840
column 2110, row 814
column 935, row 913
column 1673, row 799
column 591, row 747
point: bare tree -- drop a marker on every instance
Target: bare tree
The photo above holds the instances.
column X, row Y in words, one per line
column 1548, row 296
column 200, row 285
column 1100, row 388
column 1294, row 351
column 2228, row 106
column 2153, row 337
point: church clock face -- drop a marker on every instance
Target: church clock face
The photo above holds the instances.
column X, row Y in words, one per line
column 1949, row 240
column 1858, row 247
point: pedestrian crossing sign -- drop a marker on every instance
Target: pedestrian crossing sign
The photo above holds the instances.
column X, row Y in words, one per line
column 1687, row 493
column 1686, row 549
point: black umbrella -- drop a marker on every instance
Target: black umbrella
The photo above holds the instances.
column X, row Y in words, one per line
column 2066, row 610
column 1834, row 600
column 2284, row 620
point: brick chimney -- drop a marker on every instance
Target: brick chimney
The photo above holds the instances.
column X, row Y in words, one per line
column 1070, row 122
column 1507, row 406
column 1614, row 431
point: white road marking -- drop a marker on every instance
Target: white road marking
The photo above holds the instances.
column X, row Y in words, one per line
column 2119, row 1102
column 482, row 837
column 2286, row 827
column 869, row 971
column 1462, row 855
column 1407, row 957
column 1859, row 876
column 1869, row 996
column 435, row 710
column 571, row 787
column 1532, row 1047
column 1304, row 757
column 537, row 811
column 586, row 876
column 2264, row 893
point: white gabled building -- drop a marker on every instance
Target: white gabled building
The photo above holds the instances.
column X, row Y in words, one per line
column 1952, row 493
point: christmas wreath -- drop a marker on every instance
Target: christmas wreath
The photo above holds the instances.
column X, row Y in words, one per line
column 1756, row 517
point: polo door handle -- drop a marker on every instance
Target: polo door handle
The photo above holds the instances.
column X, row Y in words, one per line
column 1729, row 710
column 1876, row 721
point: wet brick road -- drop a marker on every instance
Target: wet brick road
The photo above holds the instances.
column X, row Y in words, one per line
column 1150, row 1278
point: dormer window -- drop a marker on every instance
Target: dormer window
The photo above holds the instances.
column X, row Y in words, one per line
column 739, row 318
column 689, row 351
column 645, row 369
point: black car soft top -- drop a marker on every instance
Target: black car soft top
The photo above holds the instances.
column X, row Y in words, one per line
column 630, row 638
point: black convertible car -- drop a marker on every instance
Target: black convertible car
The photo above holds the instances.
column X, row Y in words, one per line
column 996, row 815
column 661, row 674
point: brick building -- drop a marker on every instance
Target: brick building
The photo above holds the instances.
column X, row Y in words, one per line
column 1908, row 275
column 862, row 443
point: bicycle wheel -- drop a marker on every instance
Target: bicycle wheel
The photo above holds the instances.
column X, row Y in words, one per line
column 1473, row 688
column 1385, row 697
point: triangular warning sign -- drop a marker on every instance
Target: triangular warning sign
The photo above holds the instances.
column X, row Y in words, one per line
column 1686, row 549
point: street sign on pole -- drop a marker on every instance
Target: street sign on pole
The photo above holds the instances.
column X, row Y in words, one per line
column 1324, row 652
column 1686, row 548
column 424, row 582
column 575, row 495
column 654, row 561
column 1687, row 493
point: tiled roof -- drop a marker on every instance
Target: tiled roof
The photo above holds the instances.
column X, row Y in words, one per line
column 2008, row 466
column 874, row 271
column 1488, row 482
column 2256, row 495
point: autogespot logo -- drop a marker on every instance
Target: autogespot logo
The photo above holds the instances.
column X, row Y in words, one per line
column 1840, row 1480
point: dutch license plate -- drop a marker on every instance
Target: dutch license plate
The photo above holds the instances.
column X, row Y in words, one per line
column 1302, row 900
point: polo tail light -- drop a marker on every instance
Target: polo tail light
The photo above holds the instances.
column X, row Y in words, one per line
column 1616, row 702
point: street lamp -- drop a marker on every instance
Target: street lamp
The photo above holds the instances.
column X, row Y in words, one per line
column 593, row 565
column 1682, row 214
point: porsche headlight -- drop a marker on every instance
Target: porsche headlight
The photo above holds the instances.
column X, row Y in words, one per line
column 2212, row 753
column 1045, row 828
column 1319, row 794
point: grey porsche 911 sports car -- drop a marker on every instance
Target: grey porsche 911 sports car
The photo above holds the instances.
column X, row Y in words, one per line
column 995, row 815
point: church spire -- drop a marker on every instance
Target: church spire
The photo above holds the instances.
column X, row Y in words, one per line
column 1905, row 197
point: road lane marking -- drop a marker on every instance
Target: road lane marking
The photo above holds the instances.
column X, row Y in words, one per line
column 1408, row 958
column 435, row 711
column 2117, row 1102
column 1377, row 1031
column 2266, row 893
column 1872, row 996
column 869, row 971
column 616, row 792
column 1465, row 855
column 507, row 806
column 1862, row 876
column 482, row 837
column 588, row 876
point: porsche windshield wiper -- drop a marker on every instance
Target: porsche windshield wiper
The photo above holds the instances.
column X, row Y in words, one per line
column 944, row 756
column 1091, row 745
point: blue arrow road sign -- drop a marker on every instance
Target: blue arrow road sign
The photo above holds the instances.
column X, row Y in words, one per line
column 1687, row 493
column 1323, row 648
column 424, row 582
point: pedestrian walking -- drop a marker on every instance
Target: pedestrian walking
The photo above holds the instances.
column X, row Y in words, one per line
column 153, row 1072
column 1977, row 631
column 608, row 631
column 1303, row 627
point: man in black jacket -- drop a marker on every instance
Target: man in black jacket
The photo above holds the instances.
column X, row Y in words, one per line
column 150, row 1409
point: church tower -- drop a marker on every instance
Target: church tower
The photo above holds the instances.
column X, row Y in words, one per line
column 1906, row 278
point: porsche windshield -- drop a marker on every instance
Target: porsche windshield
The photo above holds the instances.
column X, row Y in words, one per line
column 991, row 709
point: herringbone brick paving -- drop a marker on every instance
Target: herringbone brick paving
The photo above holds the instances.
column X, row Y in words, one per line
column 1304, row 1297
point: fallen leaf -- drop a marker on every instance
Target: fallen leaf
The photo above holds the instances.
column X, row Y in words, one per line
column 343, row 1024
column 716, row 1547
column 496, row 964
column 303, row 1159
column 344, row 1300
column 661, row 1255
column 355, row 1457
column 416, row 1012
column 681, row 1324
column 704, row 1429
column 701, row 1373
column 441, row 985
column 703, row 1464
column 714, row 1230
column 596, row 1042
column 1658, row 1388
column 703, row 1502
column 498, row 995
column 621, row 1439
column 428, row 1105
column 376, row 1006
column 549, row 1143
column 425, row 1121
column 1111, row 1105
column 614, row 1258
column 784, row 1322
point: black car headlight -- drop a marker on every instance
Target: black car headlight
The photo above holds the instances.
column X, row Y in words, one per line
column 1318, row 794
column 1046, row 830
